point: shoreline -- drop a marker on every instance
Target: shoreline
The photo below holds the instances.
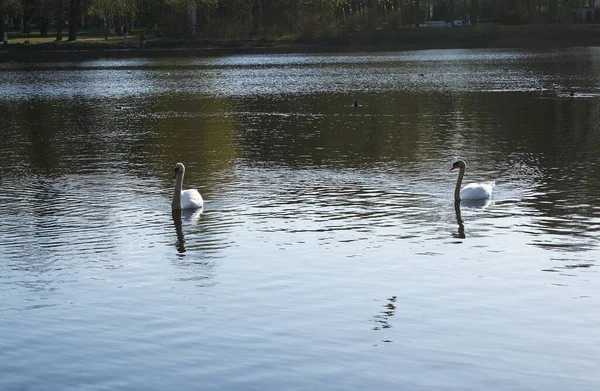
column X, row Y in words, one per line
column 489, row 37
column 90, row 54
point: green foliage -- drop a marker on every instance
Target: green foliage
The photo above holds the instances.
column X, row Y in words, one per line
column 242, row 19
column 313, row 16
column 441, row 12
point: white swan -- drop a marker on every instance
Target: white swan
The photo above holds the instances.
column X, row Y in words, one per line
column 472, row 191
column 186, row 199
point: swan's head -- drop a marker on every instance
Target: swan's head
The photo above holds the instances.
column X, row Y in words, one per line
column 459, row 164
column 179, row 169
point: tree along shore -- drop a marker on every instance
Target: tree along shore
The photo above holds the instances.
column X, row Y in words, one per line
column 29, row 48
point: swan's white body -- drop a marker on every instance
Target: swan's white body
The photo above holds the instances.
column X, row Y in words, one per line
column 184, row 199
column 476, row 191
column 472, row 191
column 191, row 199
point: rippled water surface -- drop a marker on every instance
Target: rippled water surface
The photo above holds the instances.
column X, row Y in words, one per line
column 330, row 254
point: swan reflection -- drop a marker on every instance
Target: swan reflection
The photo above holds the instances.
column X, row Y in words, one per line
column 179, row 216
column 461, row 228
column 476, row 204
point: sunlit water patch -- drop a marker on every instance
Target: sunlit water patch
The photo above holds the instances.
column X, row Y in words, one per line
column 431, row 71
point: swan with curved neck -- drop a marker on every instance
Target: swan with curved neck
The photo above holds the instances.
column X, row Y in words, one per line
column 472, row 191
column 184, row 199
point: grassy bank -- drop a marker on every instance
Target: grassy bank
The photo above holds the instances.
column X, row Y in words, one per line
column 92, row 43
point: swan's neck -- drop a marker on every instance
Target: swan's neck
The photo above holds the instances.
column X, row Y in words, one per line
column 176, row 205
column 461, row 174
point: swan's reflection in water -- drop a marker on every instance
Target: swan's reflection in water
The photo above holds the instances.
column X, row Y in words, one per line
column 476, row 204
column 178, row 217
column 461, row 227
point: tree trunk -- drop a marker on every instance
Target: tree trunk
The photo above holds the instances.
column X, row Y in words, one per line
column 44, row 28
column 416, row 13
column 59, row 18
column 2, row 27
column 474, row 12
column 552, row 8
column 106, row 27
column 259, row 16
column 73, row 19
column 191, row 10
column 59, row 27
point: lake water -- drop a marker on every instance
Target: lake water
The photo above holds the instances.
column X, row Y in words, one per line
column 330, row 254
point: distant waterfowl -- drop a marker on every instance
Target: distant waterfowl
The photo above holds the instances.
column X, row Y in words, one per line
column 355, row 104
column 572, row 93
column 186, row 199
column 472, row 191
column 421, row 74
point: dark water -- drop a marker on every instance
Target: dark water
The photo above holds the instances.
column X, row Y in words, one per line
column 330, row 254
